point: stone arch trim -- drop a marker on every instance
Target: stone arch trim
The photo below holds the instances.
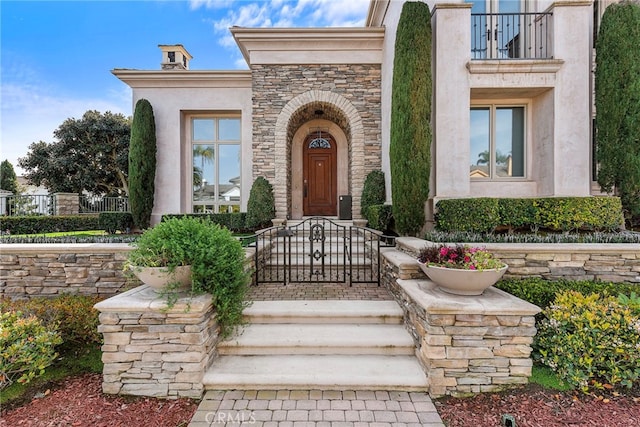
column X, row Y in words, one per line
column 356, row 141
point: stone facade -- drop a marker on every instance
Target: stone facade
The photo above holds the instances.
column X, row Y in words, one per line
column 466, row 344
column 152, row 350
column 30, row 270
column 287, row 96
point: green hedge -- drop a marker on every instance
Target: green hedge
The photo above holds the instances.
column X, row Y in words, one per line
column 261, row 208
column 380, row 217
column 48, row 224
column 484, row 215
column 478, row 215
column 115, row 221
column 373, row 191
column 543, row 292
column 235, row 221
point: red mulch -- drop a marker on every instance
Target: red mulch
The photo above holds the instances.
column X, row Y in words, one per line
column 78, row 401
column 533, row 406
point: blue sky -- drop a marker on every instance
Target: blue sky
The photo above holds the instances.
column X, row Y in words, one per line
column 56, row 57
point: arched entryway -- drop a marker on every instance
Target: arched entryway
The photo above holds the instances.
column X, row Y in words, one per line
column 303, row 115
column 319, row 184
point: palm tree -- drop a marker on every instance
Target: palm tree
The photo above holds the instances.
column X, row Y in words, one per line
column 483, row 158
column 206, row 154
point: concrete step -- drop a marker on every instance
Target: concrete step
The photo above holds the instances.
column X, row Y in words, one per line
column 324, row 372
column 316, row 339
column 324, row 311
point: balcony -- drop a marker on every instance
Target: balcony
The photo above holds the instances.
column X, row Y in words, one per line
column 511, row 35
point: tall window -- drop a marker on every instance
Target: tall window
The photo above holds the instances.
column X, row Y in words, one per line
column 497, row 142
column 216, row 164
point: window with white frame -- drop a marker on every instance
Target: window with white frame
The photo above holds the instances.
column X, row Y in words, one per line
column 215, row 143
column 497, row 142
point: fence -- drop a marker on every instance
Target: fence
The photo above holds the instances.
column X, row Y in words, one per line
column 60, row 204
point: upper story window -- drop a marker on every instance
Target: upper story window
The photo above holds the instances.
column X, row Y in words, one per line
column 215, row 143
column 497, row 142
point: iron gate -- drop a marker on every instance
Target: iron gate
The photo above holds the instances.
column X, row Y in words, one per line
column 317, row 250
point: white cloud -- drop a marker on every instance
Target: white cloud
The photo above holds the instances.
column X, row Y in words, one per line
column 282, row 13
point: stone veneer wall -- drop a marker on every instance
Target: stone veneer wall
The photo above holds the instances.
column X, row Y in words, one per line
column 30, row 270
column 466, row 344
column 275, row 86
column 67, row 203
column 151, row 350
column 608, row 262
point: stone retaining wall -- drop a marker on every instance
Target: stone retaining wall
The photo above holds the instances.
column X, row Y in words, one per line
column 30, row 270
column 150, row 350
column 466, row 344
column 610, row 262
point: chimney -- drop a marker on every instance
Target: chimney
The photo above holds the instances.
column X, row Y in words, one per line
column 174, row 57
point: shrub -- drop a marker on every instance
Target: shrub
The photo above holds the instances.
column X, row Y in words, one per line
column 410, row 148
column 142, row 163
column 517, row 213
column 480, row 215
column 579, row 213
column 48, row 224
column 592, row 342
column 373, row 191
column 115, row 221
column 234, row 221
column 26, row 348
column 216, row 258
column 542, row 292
column 380, row 217
column 261, row 208
column 484, row 215
column 73, row 316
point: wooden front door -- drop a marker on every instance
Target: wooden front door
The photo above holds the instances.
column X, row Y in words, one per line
column 320, row 175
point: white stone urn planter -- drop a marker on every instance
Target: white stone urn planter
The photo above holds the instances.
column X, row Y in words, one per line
column 159, row 277
column 462, row 282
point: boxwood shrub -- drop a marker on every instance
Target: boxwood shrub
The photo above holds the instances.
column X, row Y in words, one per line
column 115, row 221
column 484, row 215
column 380, row 217
column 480, row 215
column 48, row 224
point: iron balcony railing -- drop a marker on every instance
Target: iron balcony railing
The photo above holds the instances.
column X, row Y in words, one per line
column 511, row 35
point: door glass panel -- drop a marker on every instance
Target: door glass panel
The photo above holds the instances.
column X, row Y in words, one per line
column 203, row 172
column 510, row 141
column 229, row 179
column 507, row 29
column 480, row 142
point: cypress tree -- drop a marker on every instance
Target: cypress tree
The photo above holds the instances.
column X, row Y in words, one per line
column 618, row 103
column 142, row 164
column 410, row 151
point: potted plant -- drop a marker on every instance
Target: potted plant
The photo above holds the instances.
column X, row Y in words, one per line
column 461, row 270
column 197, row 256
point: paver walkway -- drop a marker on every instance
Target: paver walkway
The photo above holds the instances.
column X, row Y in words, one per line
column 267, row 408
column 318, row 291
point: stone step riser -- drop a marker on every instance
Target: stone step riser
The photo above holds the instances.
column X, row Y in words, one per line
column 320, row 338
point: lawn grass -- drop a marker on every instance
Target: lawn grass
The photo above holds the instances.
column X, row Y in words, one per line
column 85, row 233
column 74, row 362
column 545, row 377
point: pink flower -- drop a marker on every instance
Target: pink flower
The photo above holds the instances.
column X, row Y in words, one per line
column 472, row 267
column 444, row 250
